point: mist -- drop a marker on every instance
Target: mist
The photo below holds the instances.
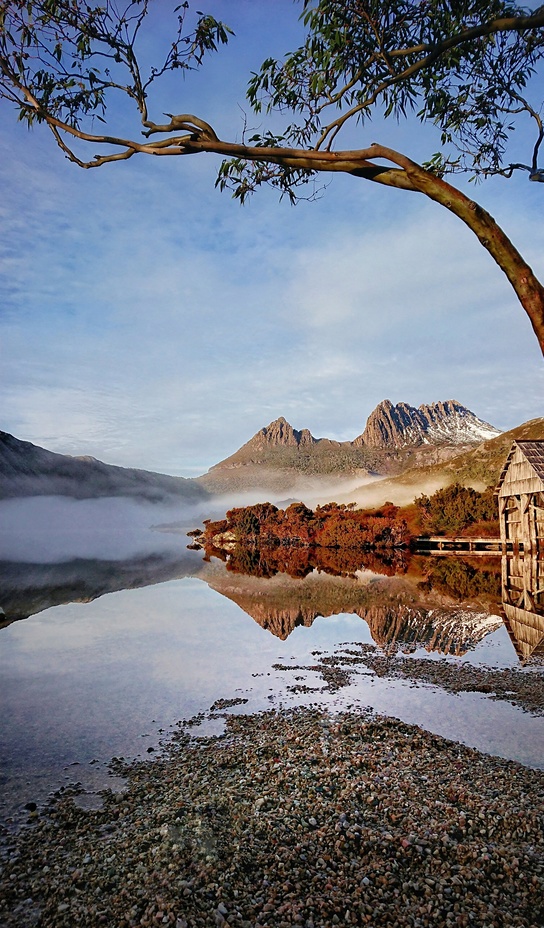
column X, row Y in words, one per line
column 313, row 491
column 317, row 491
column 56, row 529
column 394, row 491
column 52, row 529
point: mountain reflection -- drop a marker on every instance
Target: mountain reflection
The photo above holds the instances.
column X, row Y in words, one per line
column 445, row 604
column 26, row 589
column 523, row 604
column 408, row 601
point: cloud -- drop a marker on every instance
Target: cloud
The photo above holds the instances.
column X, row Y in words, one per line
column 152, row 322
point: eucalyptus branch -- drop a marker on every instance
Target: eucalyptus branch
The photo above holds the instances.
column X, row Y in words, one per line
column 518, row 24
column 358, row 56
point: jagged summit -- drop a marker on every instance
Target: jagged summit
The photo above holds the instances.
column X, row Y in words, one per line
column 396, row 438
column 281, row 433
column 403, row 426
column 391, row 427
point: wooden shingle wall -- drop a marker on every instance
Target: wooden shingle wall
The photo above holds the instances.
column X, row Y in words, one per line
column 520, row 476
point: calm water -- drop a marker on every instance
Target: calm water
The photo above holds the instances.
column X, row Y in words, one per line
column 159, row 635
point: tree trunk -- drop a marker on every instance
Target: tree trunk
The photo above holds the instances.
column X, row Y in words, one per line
column 407, row 175
column 528, row 288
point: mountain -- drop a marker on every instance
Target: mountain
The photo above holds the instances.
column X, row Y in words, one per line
column 281, row 433
column 396, row 438
column 402, row 426
column 402, row 451
column 28, row 470
column 477, row 467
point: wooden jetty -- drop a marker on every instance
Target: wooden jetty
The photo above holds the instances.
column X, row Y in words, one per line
column 440, row 544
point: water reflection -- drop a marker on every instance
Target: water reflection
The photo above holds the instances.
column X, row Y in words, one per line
column 26, row 589
column 443, row 604
column 399, row 613
column 523, row 604
column 408, row 601
column 91, row 679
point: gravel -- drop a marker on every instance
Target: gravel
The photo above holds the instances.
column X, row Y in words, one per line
column 519, row 686
column 304, row 818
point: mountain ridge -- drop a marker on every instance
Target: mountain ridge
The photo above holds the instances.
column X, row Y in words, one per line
column 281, row 461
column 28, row 470
column 403, row 425
column 478, row 467
column 388, row 427
column 395, row 439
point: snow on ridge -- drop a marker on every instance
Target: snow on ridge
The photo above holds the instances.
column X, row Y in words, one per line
column 460, row 427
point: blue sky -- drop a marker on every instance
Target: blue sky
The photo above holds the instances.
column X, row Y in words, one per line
column 149, row 320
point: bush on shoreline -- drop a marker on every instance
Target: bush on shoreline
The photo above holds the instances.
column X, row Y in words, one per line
column 453, row 510
column 329, row 526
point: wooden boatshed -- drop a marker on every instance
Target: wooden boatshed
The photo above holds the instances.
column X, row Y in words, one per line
column 521, row 498
column 523, row 604
column 521, row 513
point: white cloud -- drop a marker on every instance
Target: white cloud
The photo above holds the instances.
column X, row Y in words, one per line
column 150, row 321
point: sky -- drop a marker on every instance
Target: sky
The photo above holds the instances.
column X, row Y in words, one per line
column 149, row 320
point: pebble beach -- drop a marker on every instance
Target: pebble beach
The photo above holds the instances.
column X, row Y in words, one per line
column 303, row 817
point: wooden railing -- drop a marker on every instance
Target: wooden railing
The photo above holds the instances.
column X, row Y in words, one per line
column 441, row 544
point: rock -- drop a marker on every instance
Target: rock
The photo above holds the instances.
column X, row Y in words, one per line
column 402, row 425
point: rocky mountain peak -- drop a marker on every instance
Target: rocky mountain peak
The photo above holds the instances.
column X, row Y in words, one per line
column 402, row 425
column 281, row 434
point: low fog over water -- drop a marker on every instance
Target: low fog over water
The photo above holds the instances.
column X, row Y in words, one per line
column 50, row 529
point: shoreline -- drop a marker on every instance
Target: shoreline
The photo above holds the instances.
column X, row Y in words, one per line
column 295, row 817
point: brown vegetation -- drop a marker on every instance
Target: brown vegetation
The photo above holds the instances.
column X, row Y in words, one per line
column 263, row 540
column 454, row 510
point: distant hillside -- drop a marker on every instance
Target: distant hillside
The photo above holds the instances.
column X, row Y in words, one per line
column 27, row 470
column 396, row 439
column 478, row 468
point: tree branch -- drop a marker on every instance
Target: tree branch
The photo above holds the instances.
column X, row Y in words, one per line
column 505, row 24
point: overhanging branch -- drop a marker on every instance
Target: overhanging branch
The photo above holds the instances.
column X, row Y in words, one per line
column 432, row 54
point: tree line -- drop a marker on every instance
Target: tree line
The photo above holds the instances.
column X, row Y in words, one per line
column 451, row 510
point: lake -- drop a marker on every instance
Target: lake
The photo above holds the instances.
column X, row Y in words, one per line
column 114, row 631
